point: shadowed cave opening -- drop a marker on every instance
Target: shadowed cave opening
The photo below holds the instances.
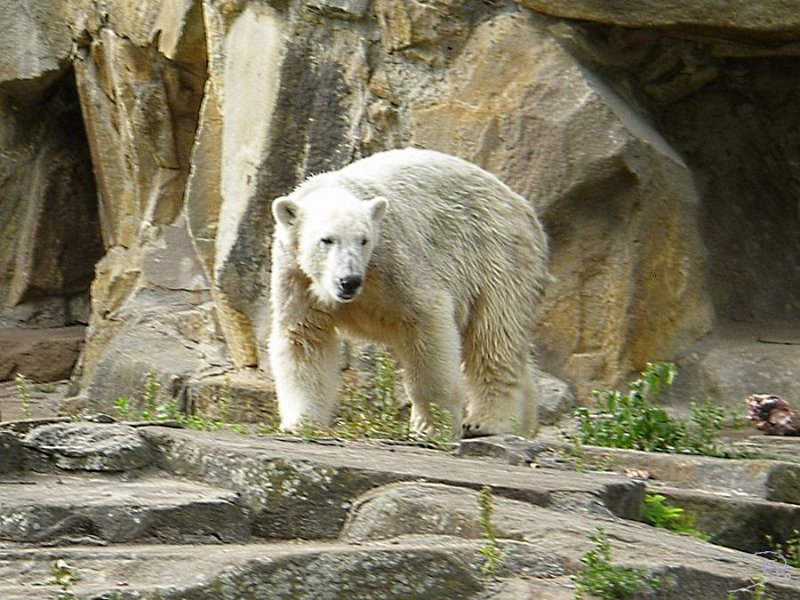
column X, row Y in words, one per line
column 50, row 196
column 741, row 136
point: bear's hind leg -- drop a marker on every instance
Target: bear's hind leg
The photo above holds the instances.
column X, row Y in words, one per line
column 501, row 392
column 432, row 364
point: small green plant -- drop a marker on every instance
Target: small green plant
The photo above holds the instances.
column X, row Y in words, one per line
column 159, row 408
column 658, row 514
column 757, row 590
column 703, row 429
column 490, row 551
column 370, row 410
column 442, row 436
column 789, row 550
column 632, row 420
column 122, row 406
column 150, row 396
column 63, row 576
column 21, row 383
column 385, row 379
column 601, row 578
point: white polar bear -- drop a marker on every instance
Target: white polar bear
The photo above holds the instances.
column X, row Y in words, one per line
column 425, row 253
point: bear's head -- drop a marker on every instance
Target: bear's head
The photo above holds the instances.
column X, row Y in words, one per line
column 333, row 233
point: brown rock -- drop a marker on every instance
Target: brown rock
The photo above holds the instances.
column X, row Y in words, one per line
column 634, row 140
column 40, row 354
column 739, row 19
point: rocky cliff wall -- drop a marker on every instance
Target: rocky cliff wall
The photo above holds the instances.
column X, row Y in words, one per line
column 141, row 144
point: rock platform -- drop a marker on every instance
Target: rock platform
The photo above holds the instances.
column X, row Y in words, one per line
column 153, row 512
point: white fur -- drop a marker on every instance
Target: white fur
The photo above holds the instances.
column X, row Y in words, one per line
column 452, row 263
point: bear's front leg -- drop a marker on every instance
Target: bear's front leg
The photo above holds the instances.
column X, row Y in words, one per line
column 305, row 367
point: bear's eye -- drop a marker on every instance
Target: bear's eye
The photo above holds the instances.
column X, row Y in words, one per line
column 326, row 241
column 363, row 241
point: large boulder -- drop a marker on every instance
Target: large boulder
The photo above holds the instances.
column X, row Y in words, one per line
column 631, row 129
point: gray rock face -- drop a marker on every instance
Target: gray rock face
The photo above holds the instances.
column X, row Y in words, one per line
column 79, row 510
column 87, row 447
column 273, row 475
column 209, row 520
column 11, row 452
column 141, row 146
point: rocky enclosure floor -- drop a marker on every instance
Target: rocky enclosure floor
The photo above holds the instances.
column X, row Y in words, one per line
column 137, row 512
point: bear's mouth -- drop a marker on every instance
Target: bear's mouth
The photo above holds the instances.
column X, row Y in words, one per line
column 343, row 296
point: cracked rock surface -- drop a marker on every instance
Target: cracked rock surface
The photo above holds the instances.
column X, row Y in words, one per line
column 213, row 516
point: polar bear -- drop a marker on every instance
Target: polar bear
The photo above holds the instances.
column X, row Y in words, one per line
column 426, row 253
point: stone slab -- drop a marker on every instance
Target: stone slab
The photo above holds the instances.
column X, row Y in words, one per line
column 11, row 452
column 416, row 569
column 733, row 520
column 86, row 447
column 552, row 543
column 777, row 480
column 71, row 509
column 40, row 354
column 541, row 552
column 272, row 473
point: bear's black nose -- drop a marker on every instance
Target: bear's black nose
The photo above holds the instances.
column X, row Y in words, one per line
column 349, row 285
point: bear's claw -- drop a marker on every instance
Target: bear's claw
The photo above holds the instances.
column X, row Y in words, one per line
column 468, row 430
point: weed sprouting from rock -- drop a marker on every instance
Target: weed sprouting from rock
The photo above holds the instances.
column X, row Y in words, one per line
column 151, row 395
column 21, row 383
column 372, row 409
column 657, row 513
column 122, row 406
column 788, row 550
column 632, row 420
column 490, row 551
column 64, row 577
column 442, row 436
column 601, row 578
column 160, row 408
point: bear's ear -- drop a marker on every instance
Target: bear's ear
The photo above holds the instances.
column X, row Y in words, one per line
column 285, row 211
column 378, row 206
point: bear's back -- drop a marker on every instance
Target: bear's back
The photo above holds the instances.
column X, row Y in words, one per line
column 450, row 222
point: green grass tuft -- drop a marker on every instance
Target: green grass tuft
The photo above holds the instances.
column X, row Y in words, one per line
column 601, row 578
column 490, row 551
column 21, row 383
column 674, row 518
column 632, row 420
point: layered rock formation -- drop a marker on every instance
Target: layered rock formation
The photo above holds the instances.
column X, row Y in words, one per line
column 159, row 513
column 143, row 142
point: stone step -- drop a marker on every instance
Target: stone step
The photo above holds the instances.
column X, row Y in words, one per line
column 383, row 521
column 412, row 569
column 777, row 480
column 735, row 520
column 737, row 502
column 772, row 447
column 49, row 509
column 301, row 489
column 539, row 563
column 542, row 548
